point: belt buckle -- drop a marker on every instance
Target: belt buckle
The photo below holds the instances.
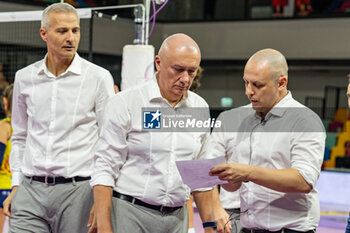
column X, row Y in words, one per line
column 52, row 183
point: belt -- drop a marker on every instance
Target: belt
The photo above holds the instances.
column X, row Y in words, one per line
column 144, row 204
column 235, row 210
column 52, row 180
column 285, row 230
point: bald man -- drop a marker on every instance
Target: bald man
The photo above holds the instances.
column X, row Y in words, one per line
column 278, row 152
column 137, row 187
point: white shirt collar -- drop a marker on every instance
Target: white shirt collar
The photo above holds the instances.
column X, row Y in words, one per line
column 279, row 109
column 74, row 68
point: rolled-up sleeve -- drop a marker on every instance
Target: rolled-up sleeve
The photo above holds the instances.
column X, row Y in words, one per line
column 112, row 145
column 19, row 123
column 308, row 148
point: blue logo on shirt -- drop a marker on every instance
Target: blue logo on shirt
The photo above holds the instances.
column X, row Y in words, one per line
column 152, row 119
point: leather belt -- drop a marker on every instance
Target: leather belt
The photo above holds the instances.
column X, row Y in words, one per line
column 245, row 230
column 133, row 200
column 235, row 210
column 52, row 180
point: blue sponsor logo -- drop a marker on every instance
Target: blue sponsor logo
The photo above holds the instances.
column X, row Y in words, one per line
column 152, row 119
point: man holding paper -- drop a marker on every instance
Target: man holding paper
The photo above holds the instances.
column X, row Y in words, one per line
column 137, row 167
column 278, row 153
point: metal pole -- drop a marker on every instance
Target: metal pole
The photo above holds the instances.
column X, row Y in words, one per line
column 138, row 26
column 117, row 7
column 147, row 4
column 91, row 26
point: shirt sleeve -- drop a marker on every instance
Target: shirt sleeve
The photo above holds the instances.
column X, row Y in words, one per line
column 214, row 146
column 221, row 142
column 307, row 149
column 19, row 123
column 112, row 148
column 104, row 92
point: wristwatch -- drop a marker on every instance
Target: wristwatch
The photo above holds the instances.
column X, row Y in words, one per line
column 209, row 224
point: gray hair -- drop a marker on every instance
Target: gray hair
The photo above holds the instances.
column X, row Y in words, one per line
column 56, row 7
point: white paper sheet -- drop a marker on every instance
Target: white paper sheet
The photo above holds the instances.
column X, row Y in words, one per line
column 195, row 173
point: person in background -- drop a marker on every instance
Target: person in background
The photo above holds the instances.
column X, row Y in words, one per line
column 197, row 80
column 3, row 82
column 278, row 7
column 3, row 85
column 303, row 7
column 226, row 204
column 57, row 111
column 5, row 149
column 116, row 88
column 221, row 142
column 194, row 87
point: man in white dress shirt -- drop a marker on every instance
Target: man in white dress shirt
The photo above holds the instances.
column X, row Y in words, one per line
column 222, row 143
column 278, row 153
column 137, row 167
column 57, row 109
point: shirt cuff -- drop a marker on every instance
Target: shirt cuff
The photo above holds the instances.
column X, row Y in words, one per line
column 203, row 189
column 17, row 178
column 309, row 174
column 102, row 179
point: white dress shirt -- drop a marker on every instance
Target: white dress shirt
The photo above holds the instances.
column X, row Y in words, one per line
column 285, row 138
column 142, row 163
column 222, row 142
column 55, row 119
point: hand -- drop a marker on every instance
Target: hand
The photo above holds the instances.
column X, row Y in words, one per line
column 209, row 230
column 8, row 201
column 92, row 224
column 233, row 172
column 116, row 88
column 223, row 222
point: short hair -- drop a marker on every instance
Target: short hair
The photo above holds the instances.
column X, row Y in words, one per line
column 8, row 92
column 196, row 80
column 278, row 67
column 349, row 79
column 56, row 7
column 275, row 61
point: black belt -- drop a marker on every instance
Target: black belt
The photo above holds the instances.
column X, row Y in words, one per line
column 144, row 204
column 235, row 210
column 52, row 180
column 285, row 230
